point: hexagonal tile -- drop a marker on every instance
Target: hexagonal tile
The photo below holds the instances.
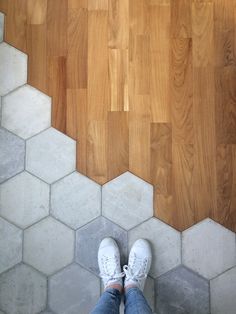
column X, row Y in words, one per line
column 23, row 291
column 90, row 237
column 13, row 68
column 165, row 241
column 223, row 293
column 73, row 290
column 12, row 155
column 182, row 291
column 209, row 248
column 26, row 111
column 129, row 196
column 10, row 245
column 1, row 26
column 24, row 199
column 50, row 155
column 48, row 245
column 76, row 200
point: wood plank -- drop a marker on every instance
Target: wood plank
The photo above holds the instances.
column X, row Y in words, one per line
column 159, row 63
column 204, row 139
column 224, row 33
column 225, row 78
column 16, row 24
column 118, row 78
column 181, row 93
column 36, row 12
column 98, row 66
column 118, row 133
column 202, row 34
column 77, row 56
column 118, row 36
column 181, row 26
column 57, row 27
column 77, row 4
column 161, row 157
column 98, row 4
column 226, row 186
column 37, row 56
column 97, row 151
column 56, row 84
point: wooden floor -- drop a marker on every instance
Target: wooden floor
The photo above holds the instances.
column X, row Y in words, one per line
column 143, row 85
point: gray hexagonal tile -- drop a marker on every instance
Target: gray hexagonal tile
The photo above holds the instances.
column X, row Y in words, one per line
column 149, row 292
column 13, row 68
column 129, row 196
column 12, row 155
column 223, row 293
column 73, row 290
column 10, row 245
column 48, row 245
column 50, row 155
column 165, row 242
column 209, row 248
column 76, row 200
column 1, row 26
column 181, row 291
column 23, row 291
column 90, row 237
column 26, row 111
column 24, row 199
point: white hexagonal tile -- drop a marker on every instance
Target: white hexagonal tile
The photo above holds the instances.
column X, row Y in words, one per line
column 209, row 248
column 76, row 200
column 1, row 26
column 26, row 111
column 13, row 68
column 48, row 245
column 165, row 242
column 50, row 155
column 10, row 245
column 24, row 199
column 129, row 196
column 12, row 155
column 23, row 291
column 73, row 290
column 223, row 293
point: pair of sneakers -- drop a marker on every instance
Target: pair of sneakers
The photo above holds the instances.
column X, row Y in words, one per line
column 135, row 272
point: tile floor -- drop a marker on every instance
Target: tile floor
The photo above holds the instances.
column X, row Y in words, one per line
column 52, row 219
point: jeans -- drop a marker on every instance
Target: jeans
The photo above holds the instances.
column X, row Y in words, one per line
column 109, row 303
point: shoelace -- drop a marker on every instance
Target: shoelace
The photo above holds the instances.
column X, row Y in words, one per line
column 109, row 273
column 140, row 264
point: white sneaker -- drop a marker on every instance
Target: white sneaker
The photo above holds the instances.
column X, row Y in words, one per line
column 109, row 263
column 140, row 258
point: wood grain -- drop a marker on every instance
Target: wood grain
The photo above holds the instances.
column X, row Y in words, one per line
column 146, row 86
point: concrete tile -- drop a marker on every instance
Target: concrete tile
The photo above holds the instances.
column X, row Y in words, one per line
column 90, row 237
column 209, row 248
column 76, row 200
column 10, row 245
column 1, row 26
column 149, row 292
column 12, row 155
column 73, row 290
column 223, row 293
column 50, row 155
column 24, row 199
column 129, row 196
column 181, row 291
column 165, row 242
column 48, row 245
column 13, row 68
column 23, row 291
column 26, row 111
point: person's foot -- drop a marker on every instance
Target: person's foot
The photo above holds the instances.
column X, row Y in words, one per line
column 109, row 264
column 140, row 258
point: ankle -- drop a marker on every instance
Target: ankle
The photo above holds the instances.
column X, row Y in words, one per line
column 126, row 288
column 115, row 286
